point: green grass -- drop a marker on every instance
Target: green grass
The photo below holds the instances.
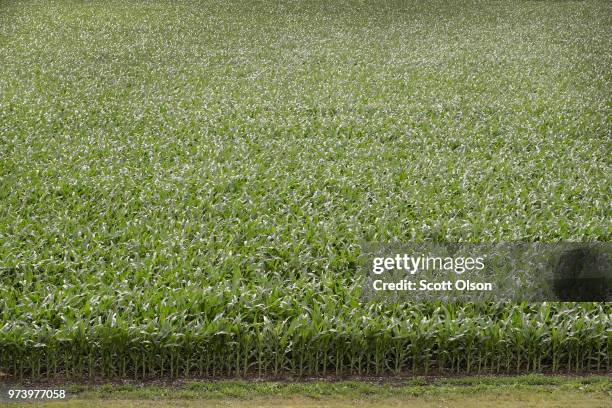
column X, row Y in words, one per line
column 489, row 399
column 347, row 389
column 417, row 386
column 184, row 185
column 525, row 391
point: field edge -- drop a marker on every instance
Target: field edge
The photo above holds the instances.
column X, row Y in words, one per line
column 317, row 388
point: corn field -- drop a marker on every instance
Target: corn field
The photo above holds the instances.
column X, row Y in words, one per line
column 184, row 184
column 285, row 338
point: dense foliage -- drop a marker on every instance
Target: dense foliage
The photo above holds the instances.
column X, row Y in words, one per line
column 302, row 336
column 184, row 185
